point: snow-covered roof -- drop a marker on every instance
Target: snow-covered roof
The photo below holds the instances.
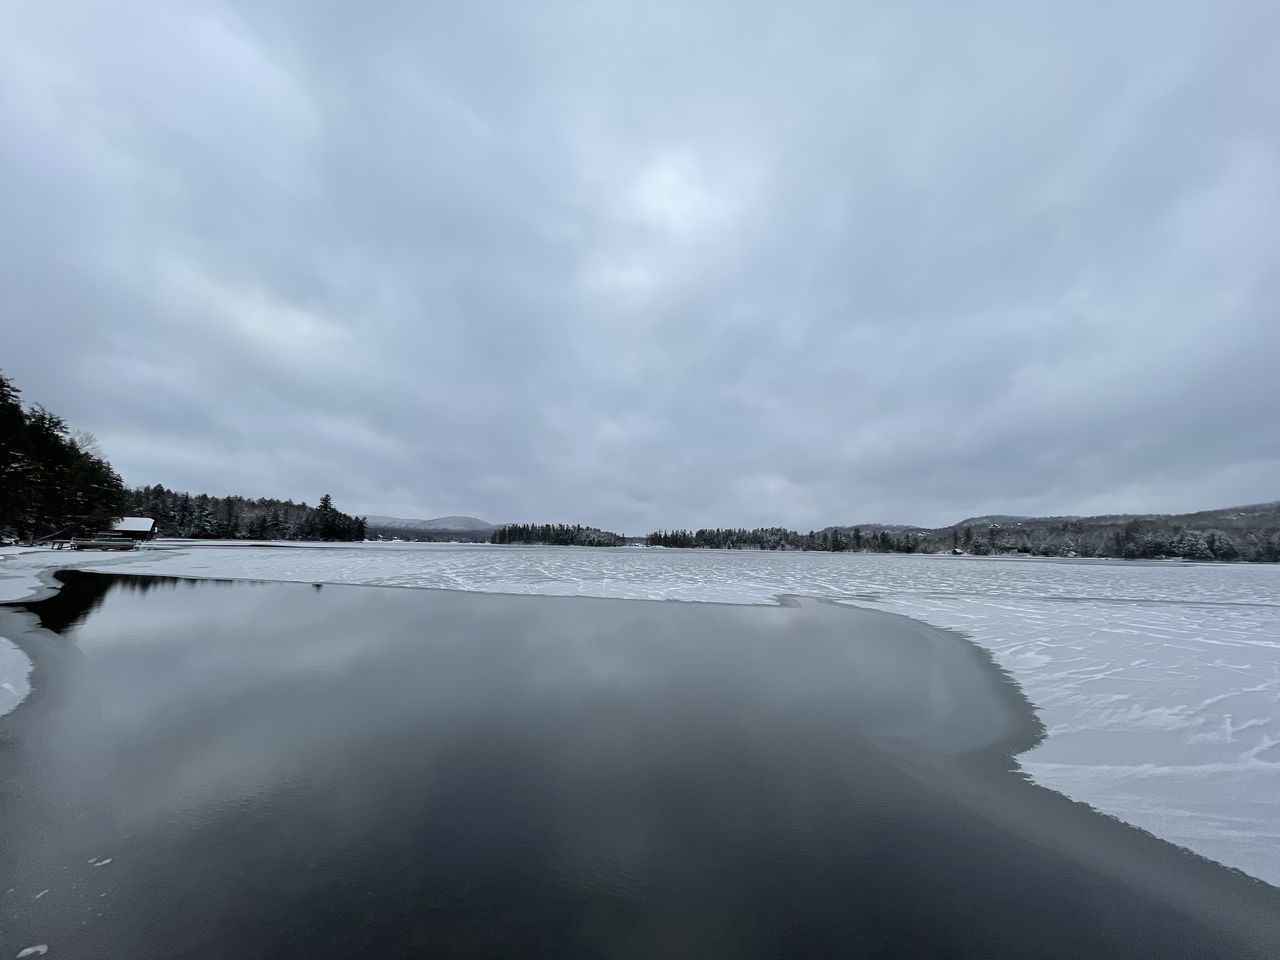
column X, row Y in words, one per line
column 135, row 524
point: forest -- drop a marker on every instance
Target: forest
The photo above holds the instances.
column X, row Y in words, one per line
column 1250, row 534
column 558, row 534
column 54, row 482
column 241, row 518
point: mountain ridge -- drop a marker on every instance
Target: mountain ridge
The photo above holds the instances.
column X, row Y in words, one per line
column 450, row 524
column 1242, row 515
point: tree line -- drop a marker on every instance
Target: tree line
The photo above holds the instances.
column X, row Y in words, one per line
column 831, row 539
column 558, row 534
column 53, row 481
column 759, row 538
column 180, row 514
column 1130, row 539
column 1139, row 538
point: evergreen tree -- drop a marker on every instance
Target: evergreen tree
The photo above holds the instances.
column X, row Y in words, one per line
column 15, row 463
column 181, row 524
column 201, row 517
column 227, row 526
column 326, row 519
column 52, row 482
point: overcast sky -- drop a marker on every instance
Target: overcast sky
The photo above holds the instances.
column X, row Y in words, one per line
column 653, row 264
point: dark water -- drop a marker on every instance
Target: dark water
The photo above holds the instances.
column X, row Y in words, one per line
column 280, row 770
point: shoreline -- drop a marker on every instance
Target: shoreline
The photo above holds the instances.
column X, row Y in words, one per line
column 27, row 575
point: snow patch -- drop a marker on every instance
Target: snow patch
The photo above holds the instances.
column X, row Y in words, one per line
column 15, row 669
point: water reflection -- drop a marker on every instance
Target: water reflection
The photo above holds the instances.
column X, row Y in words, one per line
column 81, row 593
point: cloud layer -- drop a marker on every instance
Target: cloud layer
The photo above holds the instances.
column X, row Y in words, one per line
column 653, row 264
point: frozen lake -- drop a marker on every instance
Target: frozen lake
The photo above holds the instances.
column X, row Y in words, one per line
column 222, row 768
column 1159, row 684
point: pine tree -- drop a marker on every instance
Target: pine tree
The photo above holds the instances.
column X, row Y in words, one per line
column 201, row 517
column 181, row 517
column 326, row 519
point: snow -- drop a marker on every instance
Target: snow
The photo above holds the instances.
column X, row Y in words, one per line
column 135, row 525
column 1158, row 683
column 1163, row 713
column 17, row 580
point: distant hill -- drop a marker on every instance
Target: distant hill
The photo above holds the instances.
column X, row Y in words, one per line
column 437, row 525
column 1254, row 516
column 1244, row 532
column 470, row 529
column 894, row 528
column 1248, row 517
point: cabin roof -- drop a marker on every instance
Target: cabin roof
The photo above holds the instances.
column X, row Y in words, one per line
column 135, row 524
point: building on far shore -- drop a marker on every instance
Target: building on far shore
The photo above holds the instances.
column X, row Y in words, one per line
column 135, row 528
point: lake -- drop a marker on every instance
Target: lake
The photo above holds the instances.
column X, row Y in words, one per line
column 214, row 768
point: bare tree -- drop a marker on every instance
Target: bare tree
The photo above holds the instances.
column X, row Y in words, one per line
column 86, row 443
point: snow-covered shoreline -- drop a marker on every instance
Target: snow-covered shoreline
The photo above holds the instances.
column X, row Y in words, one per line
column 20, row 570
column 24, row 575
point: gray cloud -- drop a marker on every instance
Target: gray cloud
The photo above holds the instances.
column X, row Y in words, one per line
column 653, row 264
